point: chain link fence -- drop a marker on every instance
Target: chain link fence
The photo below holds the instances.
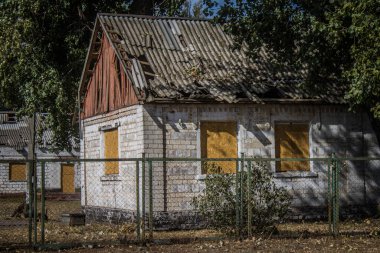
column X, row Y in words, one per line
column 79, row 202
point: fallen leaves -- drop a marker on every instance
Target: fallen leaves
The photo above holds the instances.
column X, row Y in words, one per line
column 356, row 235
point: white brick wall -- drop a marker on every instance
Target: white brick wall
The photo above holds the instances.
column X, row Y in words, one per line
column 117, row 191
column 52, row 172
column 332, row 129
column 172, row 131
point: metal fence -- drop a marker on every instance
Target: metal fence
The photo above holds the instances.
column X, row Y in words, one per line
column 152, row 199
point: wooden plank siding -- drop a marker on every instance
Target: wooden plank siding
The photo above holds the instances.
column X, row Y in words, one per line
column 108, row 88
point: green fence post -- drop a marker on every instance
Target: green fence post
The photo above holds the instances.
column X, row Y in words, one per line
column 30, row 200
column 138, row 201
column 237, row 205
column 35, row 198
column 333, row 195
column 249, row 186
column 337, row 197
column 329, row 195
column 43, row 203
column 241, row 194
column 143, row 197
column 150, row 199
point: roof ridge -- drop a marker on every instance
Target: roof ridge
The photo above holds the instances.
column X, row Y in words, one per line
column 152, row 17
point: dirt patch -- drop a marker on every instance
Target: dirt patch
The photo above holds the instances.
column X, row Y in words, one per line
column 356, row 235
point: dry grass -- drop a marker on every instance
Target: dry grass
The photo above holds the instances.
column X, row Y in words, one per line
column 355, row 235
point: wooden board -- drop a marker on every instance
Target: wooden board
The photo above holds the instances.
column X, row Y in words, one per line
column 17, row 171
column 219, row 140
column 111, row 150
column 68, row 178
column 292, row 141
column 108, row 88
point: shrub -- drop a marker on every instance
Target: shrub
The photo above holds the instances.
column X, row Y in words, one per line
column 217, row 202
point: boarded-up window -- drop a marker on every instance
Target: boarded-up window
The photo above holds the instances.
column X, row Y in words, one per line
column 218, row 140
column 17, row 171
column 111, row 150
column 68, row 177
column 292, row 141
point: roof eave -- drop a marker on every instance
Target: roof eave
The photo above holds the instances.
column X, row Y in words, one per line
column 87, row 62
column 240, row 101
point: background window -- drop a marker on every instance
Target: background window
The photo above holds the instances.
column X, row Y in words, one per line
column 218, row 140
column 111, row 150
column 68, row 178
column 292, row 141
column 17, row 172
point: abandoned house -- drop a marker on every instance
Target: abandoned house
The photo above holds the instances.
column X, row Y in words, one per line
column 14, row 136
column 175, row 87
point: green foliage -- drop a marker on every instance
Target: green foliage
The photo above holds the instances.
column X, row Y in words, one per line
column 42, row 50
column 193, row 9
column 218, row 200
column 43, row 45
column 156, row 7
column 335, row 41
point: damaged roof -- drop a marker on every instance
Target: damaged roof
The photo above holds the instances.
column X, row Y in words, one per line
column 179, row 59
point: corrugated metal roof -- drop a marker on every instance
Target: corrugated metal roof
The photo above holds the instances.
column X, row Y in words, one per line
column 15, row 133
column 176, row 58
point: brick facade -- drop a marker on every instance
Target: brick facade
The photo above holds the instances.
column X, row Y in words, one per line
column 52, row 171
column 173, row 130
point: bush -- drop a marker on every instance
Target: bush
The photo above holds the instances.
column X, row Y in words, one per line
column 217, row 202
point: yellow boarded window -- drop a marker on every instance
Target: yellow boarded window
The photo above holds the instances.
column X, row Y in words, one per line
column 218, row 140
column 292, row 141
column 67, row 178
column 17, row 171
column 111, row 150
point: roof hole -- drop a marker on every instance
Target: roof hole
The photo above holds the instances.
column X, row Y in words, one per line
column 182, row 40
column 148, row 40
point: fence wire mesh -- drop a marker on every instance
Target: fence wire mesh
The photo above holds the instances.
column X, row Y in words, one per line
column 95, row 201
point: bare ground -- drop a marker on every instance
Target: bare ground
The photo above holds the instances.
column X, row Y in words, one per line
column 356, row 235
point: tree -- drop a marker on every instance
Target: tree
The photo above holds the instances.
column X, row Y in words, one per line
column 42, row 49
column 43, row 45
column 193, row 9
column 156, row 7
column 335, row 41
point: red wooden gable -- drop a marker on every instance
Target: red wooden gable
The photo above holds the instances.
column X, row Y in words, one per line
column 108, row 88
